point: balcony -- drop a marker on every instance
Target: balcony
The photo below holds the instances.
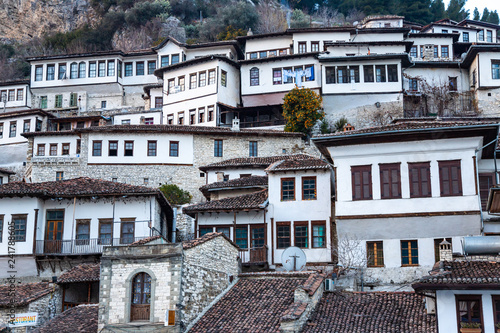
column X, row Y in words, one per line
column 254, row 256
column 80, row 246
column 448, row 104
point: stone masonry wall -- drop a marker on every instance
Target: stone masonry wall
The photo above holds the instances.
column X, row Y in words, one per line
column 488, row 102
column 206, row 271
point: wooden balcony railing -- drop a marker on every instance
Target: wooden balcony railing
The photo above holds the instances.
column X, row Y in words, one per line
column 254, row 255
column 80, row 246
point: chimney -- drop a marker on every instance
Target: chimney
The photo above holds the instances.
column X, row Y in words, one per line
column 236, row 125
column 428, row 52
column 249, row 32
column 445, row 253
column 220, row 176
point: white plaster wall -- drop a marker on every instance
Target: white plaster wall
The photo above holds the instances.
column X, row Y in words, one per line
column 321, row 37
column 135, row 118
column 418, row 151
column 13, row 155
column 226, row 50
column 233, row 173
column 373, row 35
column 447, row 309
column 59, row 140
column 230, row 94
column 268, row 43
column 439, row 77
column 140, row 148
column 168, row 49
column 485, row 72
column 138, row 79
column 341, row 51
column 18, row 138
column 175, row 109
column 380, row 23
column 440, row 41
column 153, row 93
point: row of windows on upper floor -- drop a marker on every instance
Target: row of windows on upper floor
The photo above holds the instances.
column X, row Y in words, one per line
column 200, row 79
column 285, row 75
column 445, row 51
column 309, row 191
column 301, row 48
column 195, row 117
column 480, row 35
column 12, row 95
column 26, row 127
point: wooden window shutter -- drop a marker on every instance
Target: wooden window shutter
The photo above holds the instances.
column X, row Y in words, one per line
column 171, row 317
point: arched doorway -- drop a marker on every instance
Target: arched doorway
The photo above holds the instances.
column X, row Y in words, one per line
column 141, row 297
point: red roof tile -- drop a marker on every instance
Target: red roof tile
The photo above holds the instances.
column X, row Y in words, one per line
column 80, row 319
column 242, row 202
column 289, row 165
column 7, row 171
column 205, row 238
column 253, row 162
column 252, row 181
column 145, row 240
column 25, row 293
column 343, row 312
column 81, row 273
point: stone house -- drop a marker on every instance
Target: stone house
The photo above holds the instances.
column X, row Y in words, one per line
column 163, row 287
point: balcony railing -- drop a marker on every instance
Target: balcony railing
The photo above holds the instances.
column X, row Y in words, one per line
column 81, row 246
column 255, row 255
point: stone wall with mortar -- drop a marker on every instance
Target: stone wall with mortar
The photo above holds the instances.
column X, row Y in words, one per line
column 488, row 102
column 205, row 274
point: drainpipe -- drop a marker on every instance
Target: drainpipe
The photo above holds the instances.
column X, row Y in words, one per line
column 34, row 231
column 73, row 227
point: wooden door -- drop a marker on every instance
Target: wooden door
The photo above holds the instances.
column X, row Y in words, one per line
column 257, row 242
column 53, row 236
column 141, row 297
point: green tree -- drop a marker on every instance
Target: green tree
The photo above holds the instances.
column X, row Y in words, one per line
column 299, row 19
column 142, row 12
column 456, row 10
column 486, row 15
column 175, row 195
column 476, row 17
column 494, row 17
column 301, row 110
column 437, row 10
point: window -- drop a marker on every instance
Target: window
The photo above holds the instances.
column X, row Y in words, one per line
column 465, row 37
column 164, row 61
column 252, row 145
column 253, row 55
column 224, row 230
column 170, row 86
column 354, row 74
column 151, row 67
column 81, row 70
column 65, row 148
column 51, row 72
column 436, row 51
column 420, row 179
column 127, row 231
column 223, row 78
column 105, row 231
column 3, row 96
column 380, row 73
column 489, row 36
column 103, row 104
column 113, row 148
column 59, row 175
column 73, row 99
column 149, row 121
column 342, row 74
column 128, row 69
column 201, row 115
column 444, row 31
column 151, row 148
column 277, row 76
column 96, row 148
column 13, row 129
column 390, row 181
column 301, row 235
column 62, row 72
column 469, row 309
column 38, row 126
column 481, row 35
column 174, row 149
column 111, row 68
column 40, row 151
column 409, row 253
column 283, row 235
column 20, row 94
column 180, row 118
column 158, row 102
column 287, row 189
column 486, row 181
column 257, row 236
column 375, row 254
column 330, row 75
column 192, row 116
column 82, row 232
column 139, row 68
column 413, row 52
column 254, row 76
column 19, row 222
column 141, row 297
column 210, row 110
column 78, row 147
column 175, row 59
column 92, row 69
column 495, row 69
column 496, row 306
column 438, row 241
column 125, row 121
column 1, row 130
column 241, row 238
column 53, row 149
column 314, row 46
column 202, row 79
column 361, row 182
column 102, row 68
column 421, row 51
column 318, row 234
column 58, row 102
column 444, row 51
column 302, row 47
column 1, row 221
column 218, row 148
column 73, row 71
column 26, row 126
column 38, row 73
column 413, row 85
column 129, row 148
column 182, row 84
column 309, row 188
column 450, row 179
column 263, row 54
column 192, row 81
column 273, row 53
column 368, row 73
column 205, row 230
column 12, row 95
column 392, row 73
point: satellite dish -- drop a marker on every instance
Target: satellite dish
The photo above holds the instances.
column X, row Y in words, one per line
column 293, row 259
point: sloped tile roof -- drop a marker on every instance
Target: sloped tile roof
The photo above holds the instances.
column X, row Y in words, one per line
column 25, row 293
column 252, row 305
column 145, row 240
column 253, row 162
column 82, row 186
column 205, row 238
column 242, row 202
column 290, row 165
column 461, row 275
column 80, row 319
column 81, row 273
column 390, row 312
column 252, row 181
column 7, row 171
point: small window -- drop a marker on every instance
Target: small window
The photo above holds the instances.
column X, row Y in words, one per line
column 180, row 118
column 139, row 68
column 127, row 231
column 254, row 76
column 43, row 102
column 19, row 222
column 436, row 51
column 380, row 73
column 413, row 52
column 309, row 188
column 174, row 149
column 53, row 149
column 210, row 110
column 413, row 85
column 81, row 70
column 103, row 104
column 480, row 35
column 192, row 116
column 78, row 147
column 20, row 94
column 392, row 71
column 158, row 102
column 175, row 59
column 211, row 77
column 13, row 129
column 450, row 178
column 111, row 68
column 301, row 235
column 252, row 148
column 26, row 126
column 201, row 115
column 409, row 253
column 128, row 69
column 342, row 74
column 302, row 47
column 65, row 148
column 73, row 99
column 489, row 36
column 12, row 95
column 96, row 148
column 318, row 234
column 465, row 37
column 62, row 72
column 452, row 83
column 277, row 77
column 151, row 148
column 361, row 182
column 202, row 79
column 73, row 68
column 314, row 46
column 253, row 55
column 51, row 72
column 149, row 121
column 58, row 102
column 390, row 181
column 164, row 61
column 218, row 148
column 283, row 235
column 495, row 69
column 59, row 175
column 223, row 78
column 40, row 150
column 469, row 310
column 129, row 148
column 205, row 230
column 101, row 68
column 420, row 179
column 151, row 67
column 375, row 254
column 444, row 51
column 330, row 74
column 92, row 69
column 486, row 181
column 192, row 81
column 113, row 148
column 287, row 189
column 241, row 238
column 263, row 54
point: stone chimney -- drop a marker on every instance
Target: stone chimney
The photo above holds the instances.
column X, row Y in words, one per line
column 445, row 253
column 428, row 52
column 348, row 127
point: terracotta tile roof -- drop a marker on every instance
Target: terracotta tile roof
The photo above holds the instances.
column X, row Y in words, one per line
column 80, row 319
column 461, row 275
column 25, row 293
column 243, row 202
column 7, row 171
column 145, row 240
column 252, row 181
column 253, row 162
column 25, row 112
column 205, row 238
column 313, row 282
column 343, row 312
column 83, row 186
column 81, row 273
column 288, row 165
column 294, row 311
column 252, row 305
